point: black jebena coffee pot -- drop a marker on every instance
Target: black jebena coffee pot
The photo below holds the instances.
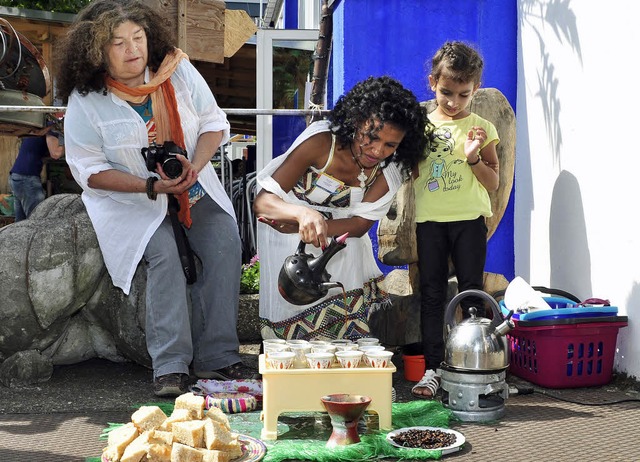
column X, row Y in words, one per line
column 303, row 278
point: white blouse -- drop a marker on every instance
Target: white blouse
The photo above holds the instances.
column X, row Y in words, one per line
column 104, row 132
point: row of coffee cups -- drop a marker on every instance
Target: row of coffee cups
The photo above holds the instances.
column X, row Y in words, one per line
column 321, row 354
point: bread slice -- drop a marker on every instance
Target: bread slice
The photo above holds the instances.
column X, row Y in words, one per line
column 234, row 449
column 194, row 403
column 213, row 455
column 159, row 452
column 161, row 437
column 216, row 435
column 137, row 449
column 216, row 414
column 183, row 453
column 119, row 438
column 178, row 415
column 148, row 418
column 110, row 454
column 190, row 433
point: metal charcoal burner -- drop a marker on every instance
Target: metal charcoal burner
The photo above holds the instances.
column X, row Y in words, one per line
column 474, row 396
column 476, row 358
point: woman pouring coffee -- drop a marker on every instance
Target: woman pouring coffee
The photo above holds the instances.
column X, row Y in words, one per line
column 339, row 176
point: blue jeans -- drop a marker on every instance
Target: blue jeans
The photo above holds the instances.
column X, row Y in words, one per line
column 28, row 192
column 202, row 333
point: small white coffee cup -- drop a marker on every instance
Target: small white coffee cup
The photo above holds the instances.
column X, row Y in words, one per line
column 349, row 359
column 379, row 359
column 300, row 350
column 273, row 347
column 280, row 360
column 319, row 360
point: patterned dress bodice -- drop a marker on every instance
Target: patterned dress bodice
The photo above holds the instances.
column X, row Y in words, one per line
column 341, row 197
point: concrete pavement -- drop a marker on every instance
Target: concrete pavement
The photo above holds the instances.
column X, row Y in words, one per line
column 61, row 420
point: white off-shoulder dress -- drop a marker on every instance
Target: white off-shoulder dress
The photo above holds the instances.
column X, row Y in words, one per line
column 354, row 266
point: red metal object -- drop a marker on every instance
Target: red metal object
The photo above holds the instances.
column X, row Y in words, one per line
column 24, row 81
column 22, row 67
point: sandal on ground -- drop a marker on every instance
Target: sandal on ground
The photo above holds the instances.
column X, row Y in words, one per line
column 430, row 381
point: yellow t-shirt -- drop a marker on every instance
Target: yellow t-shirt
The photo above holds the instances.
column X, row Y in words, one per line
column 447, row 190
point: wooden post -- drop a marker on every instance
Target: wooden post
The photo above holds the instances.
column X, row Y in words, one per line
column 321, row 58
column 198, row 26
column 182, row 24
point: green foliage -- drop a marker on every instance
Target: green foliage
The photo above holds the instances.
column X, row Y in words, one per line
column 55, row 6
column 250, row 277
column 291, row 70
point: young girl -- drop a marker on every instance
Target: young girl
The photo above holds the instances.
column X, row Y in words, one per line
column 452, row 198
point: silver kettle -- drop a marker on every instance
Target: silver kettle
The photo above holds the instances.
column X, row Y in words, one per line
column 477, row 344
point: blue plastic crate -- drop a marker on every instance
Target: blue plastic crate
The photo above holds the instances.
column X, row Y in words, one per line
column 562, row 308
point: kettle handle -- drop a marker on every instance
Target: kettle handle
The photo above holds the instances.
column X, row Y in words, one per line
column 449, row 315
column 301, row 247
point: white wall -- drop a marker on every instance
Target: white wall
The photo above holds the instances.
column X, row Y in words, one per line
column 577, row 205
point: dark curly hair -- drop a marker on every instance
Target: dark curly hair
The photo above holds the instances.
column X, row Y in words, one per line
column 81, row 55
column 381, row 100
column 457, row 61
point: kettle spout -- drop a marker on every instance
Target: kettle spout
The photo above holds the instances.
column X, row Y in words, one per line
column 505, row 326
column 330, row 285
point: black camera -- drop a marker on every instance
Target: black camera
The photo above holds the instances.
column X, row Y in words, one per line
column 165, row 155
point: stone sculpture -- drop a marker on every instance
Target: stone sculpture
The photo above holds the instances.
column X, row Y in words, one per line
column 58, row 304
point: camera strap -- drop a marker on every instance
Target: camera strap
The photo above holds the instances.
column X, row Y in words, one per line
column 187, row 259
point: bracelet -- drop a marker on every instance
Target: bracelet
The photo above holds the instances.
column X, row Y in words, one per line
column 150, row 193
column 476, row 162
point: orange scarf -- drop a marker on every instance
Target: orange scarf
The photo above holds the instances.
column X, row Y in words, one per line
column 165, row 110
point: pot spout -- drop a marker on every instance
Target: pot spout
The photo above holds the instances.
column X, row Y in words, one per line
column 505, row 326
column 331, row 285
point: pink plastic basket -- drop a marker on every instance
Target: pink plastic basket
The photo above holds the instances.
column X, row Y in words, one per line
column 564, row 355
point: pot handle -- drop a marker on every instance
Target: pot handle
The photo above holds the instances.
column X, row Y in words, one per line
column 301, row 247
column 449, row 315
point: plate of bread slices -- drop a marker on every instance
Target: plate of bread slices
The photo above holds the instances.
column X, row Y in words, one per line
column 190, row 433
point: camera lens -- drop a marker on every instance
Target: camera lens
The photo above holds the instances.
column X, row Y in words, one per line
column 172, row 167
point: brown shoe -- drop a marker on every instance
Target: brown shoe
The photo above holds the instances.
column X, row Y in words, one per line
column 237, row 371
column 171, row 385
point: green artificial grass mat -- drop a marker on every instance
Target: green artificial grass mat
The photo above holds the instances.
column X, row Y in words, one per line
column 303, row 436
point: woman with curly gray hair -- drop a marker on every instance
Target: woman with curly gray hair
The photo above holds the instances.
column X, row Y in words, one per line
column 339, row 176
column 140, row 130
